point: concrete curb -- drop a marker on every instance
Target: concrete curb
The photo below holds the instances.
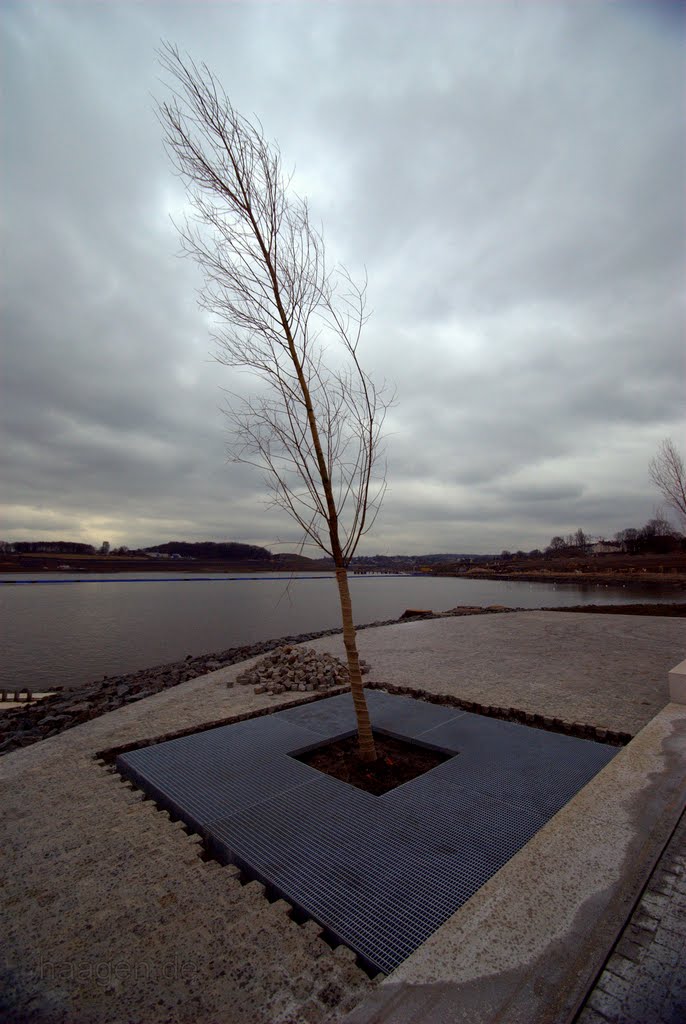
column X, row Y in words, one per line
column 529, row 945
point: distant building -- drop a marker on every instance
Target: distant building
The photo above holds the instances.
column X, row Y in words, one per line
column 606, row 547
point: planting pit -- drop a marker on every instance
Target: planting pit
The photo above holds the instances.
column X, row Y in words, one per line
column 397, row 762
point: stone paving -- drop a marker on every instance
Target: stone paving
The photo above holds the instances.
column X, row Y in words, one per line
column 644, row 981
column 111, row 916
column 606, row 670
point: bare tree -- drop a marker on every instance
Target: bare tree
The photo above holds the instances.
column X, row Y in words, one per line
column 314, row 425
column 581, row 541
column 669, row 476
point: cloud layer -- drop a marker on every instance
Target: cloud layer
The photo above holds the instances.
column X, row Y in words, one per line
column 510, row 176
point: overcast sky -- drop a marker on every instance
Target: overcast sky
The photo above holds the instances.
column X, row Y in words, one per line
column 510, row 174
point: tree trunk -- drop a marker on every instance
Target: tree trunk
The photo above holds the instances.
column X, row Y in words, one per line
column 364, row 726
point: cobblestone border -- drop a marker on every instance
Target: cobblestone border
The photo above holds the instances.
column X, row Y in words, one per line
column 109, row 756
column 578, row 729
column 644, row 978
column 261, row 894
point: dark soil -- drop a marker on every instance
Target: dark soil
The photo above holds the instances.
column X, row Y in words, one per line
column 397, row 762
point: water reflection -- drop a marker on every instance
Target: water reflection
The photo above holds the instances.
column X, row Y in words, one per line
column 67, row 635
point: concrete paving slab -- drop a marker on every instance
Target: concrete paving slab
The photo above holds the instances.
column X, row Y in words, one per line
column 10, row 704
column 677, row 683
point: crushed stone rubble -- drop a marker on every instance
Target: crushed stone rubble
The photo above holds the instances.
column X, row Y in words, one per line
column 297, row 668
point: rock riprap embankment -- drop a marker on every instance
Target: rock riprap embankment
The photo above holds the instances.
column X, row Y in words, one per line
column 297, row 668
column 21, row 726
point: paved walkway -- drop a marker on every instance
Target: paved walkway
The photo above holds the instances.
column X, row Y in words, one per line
column 645, row 977
column 111, row 917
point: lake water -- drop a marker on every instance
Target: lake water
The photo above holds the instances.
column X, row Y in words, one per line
column 68, row 631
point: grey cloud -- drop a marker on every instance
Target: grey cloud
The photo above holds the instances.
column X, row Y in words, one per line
column 542, row 493
column 512, row 180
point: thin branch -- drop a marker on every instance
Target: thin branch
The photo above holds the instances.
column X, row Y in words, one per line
column 669, row 476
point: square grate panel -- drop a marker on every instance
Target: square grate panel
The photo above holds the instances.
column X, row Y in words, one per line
column 380, row 873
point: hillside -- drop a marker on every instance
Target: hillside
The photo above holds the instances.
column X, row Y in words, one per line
column 134, row 562
column 621, row 569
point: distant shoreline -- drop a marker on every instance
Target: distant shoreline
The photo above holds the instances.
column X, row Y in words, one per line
column 635, row 573
column 115, row 565
column 630, row 581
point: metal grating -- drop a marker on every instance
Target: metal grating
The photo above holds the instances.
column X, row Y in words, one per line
column 380, row 873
